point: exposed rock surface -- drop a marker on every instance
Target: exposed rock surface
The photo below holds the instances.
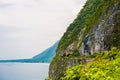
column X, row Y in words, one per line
column 59, row 66
column 99, row 38
column 102, row 36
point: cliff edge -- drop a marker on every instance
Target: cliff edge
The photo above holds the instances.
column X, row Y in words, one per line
column 96, row 29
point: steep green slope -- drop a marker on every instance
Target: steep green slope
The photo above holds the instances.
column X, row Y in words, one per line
column 96, row 29
column 88, row 17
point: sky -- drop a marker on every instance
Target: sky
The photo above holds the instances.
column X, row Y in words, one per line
column 28, row 27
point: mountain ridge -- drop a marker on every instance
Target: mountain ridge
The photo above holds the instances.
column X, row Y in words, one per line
column 44, row 57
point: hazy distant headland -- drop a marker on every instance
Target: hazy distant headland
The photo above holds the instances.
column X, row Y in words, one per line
column 44, row 57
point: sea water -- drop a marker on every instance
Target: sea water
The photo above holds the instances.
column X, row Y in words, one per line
column 23, row 71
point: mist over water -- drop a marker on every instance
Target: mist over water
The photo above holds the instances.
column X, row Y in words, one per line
column 23, row 71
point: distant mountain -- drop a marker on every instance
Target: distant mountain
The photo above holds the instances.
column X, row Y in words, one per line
column 47, row 55
column 44, row 57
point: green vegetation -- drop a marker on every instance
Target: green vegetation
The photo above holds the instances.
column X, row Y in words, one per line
column 88, row 17
column 106, row 66
column 76, row 53
column 115, row 40
column 48, row 79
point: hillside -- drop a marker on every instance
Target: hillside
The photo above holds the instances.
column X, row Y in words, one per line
column 95, row 30
column 44, row 57
column 47, row 55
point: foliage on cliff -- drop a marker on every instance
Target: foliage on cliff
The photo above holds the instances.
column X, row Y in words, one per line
column 106, row 66
column 89, row 16
column 99, row 18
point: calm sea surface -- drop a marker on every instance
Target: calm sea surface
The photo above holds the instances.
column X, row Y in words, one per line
column 23, row 71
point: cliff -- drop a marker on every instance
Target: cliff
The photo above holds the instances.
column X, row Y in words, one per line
column 96, row 29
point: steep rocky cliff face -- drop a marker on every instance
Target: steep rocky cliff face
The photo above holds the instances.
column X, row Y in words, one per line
column 59, row 66
column 97, row 28
column 101, row 36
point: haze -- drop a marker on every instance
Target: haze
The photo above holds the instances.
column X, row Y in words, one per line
column 27, row 27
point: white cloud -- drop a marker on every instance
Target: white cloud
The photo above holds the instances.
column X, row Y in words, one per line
column 28, row 27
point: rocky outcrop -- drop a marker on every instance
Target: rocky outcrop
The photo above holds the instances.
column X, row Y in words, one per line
column 100, row 36
column 59, row 65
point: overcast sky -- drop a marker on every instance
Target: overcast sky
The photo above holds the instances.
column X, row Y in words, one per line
column 27, row 27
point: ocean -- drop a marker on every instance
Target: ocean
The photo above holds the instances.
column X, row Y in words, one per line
column 23, row 71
